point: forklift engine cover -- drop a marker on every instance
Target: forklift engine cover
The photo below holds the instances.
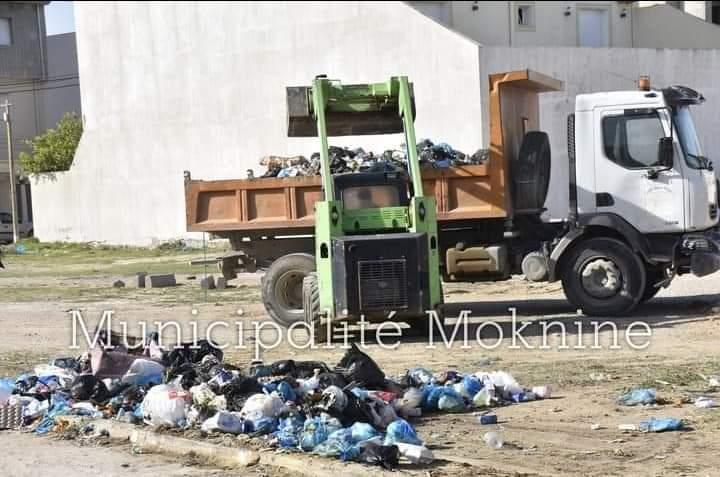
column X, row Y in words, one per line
column 374, row 275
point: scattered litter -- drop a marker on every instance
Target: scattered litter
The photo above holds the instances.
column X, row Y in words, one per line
column 661, row 424
column 600, row 377
column 596, row 427
column 638, row 396
column 627, row 427
column 494, row 440
column 487, row 419
column 119, row 284
column 705, row 402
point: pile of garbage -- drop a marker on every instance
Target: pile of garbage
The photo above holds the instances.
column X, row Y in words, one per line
column 351, row 411
column 343, row 160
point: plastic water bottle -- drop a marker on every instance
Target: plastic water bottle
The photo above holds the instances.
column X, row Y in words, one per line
column 494, row 440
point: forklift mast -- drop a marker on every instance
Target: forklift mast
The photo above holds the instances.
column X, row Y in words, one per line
column 329, row 108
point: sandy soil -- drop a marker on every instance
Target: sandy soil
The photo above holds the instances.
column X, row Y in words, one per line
column 549, row 437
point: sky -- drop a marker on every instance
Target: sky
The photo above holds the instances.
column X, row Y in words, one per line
column 59, row 18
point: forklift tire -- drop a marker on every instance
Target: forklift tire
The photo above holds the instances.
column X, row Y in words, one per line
column 282, row 287
column 603, row 277
column 311, row 307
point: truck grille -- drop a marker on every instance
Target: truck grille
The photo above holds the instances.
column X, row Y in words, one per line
column 713, row 211
column 383, row 284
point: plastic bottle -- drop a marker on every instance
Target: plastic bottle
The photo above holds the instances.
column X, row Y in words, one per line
column 494, row 440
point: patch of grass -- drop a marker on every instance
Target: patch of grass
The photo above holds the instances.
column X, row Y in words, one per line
column 183, row 294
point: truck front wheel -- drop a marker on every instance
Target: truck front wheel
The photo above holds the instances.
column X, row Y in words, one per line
column 603, row 276
column 282, row 287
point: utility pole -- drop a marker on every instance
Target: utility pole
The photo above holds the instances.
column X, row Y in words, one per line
column 11, row 167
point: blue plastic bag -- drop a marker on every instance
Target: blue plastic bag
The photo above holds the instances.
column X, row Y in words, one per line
column 288, row 431
column 661, row 425
column 286, row 391
column 264, row 425
column 638, row 396
column 314, row 433
column 338, row 444
column 451, row 402
column 472, row 385
column 433, row 393
column 401, row 431
column 361, row 431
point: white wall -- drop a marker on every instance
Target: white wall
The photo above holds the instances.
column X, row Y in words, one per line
column 200, row 86
column 663, row 26
column 586, row 70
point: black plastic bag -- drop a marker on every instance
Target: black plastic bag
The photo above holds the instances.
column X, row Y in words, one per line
column 360, row 368
column 387, row 457
column 87, row 387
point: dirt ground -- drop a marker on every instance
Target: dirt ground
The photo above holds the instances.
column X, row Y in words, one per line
column 547, row 437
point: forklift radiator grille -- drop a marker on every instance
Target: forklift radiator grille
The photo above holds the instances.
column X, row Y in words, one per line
column 383, row 284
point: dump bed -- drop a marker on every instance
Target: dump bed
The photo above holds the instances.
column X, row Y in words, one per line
column 276, row 205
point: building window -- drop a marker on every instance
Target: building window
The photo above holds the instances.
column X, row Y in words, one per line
column 631, row 141
column 593, row 27
column 5, row 32
column 525, row 17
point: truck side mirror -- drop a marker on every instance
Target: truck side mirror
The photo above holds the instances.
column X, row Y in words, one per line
column 665, row 152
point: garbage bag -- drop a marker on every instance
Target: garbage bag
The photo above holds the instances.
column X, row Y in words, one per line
column 401, row 431
column 314, row 433
column 361, row 431
column 165, row 405
column 412, row 398
column 225, row 421
column 386, row 456
column 419, row 376
column 451, row 402
column 262, row 405
column 338, row 444
column 638, row 396
column 288, row 431
column 472, row 385
column 7, row 386
column 382, row 412
column 239, row 389
column 661, row 424
column 332, row 379
column 143, row 372
column 432, row 395
column 87, row 387
column 415, row 454
column 360, row 368
column 64, row 376
column 286, row 392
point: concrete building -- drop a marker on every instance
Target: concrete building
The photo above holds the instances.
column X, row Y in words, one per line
column 168, row 87
column 581, row 24
column 38, row 76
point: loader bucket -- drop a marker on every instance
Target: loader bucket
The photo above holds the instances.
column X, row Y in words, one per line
column 352, row 117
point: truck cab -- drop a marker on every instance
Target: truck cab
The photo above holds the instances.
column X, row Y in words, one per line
column 643, row 196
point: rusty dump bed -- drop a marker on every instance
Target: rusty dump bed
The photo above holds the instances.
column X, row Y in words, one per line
column 276, row 205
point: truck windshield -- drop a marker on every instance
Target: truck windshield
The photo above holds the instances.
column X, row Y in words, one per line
column 689, row 138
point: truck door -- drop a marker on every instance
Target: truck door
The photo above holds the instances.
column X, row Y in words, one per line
column 627, row 181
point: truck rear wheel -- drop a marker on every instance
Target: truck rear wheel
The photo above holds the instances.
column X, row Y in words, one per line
column 603, row 276
column 282, row 287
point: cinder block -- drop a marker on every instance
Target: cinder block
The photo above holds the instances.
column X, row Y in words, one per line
column 221, row 283
column 162, row 281
column 207, row 283
column 141, row 279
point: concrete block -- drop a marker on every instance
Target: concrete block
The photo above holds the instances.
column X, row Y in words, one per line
column 207, row 283
column 141, row 279
column 221, row 283
column 161, row 281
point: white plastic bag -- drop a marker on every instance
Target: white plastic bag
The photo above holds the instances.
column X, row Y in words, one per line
column 223, row 421
column 415, row 454
column 165, row 405
column 262, row 405
column 65, row 376
column 143, row 372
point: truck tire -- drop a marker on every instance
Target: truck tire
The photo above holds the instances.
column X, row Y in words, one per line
column 531, row 172
column 282, row 287
column 603, row 277
column 653, row 276
column 311, row 307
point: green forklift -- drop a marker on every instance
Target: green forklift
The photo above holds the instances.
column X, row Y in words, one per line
column 376, row 238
